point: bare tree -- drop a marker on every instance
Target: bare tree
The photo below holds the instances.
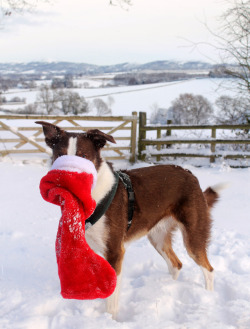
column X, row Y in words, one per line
column 158, row 115
column 48, row 99
column 102, row 107
column 71, row 102
column 29, row 109
column 234, row 42
column 232, row 110
column 9, row 6
column 110, row 102
column 191, row 109
column 231, row 40
column 120, row 2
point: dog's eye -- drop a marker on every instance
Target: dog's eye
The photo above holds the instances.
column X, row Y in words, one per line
column 84, row 156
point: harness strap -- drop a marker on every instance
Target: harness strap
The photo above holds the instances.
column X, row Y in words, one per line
column 131, row 195
column 103, row 205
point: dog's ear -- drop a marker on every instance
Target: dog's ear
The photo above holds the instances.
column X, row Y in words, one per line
column 99, row 138
column 51, row 132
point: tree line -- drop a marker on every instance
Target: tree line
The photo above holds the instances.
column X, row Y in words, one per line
column 64, row 101
column 196, row 109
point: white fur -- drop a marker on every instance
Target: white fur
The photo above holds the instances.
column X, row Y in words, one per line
column 112, row 303
column 209, row 279
column 159, row 231
column 97, row 235
column 220, row 187
column 174, row 271
column 157, row 235
column 72, row 146
column 105, row 181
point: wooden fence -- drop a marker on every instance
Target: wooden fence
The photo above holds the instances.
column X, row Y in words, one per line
column 25, row 139
column 17, row 137
column 163, row 146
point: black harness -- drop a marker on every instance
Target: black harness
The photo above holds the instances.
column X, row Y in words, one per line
column 104, row 204
column 131, row 195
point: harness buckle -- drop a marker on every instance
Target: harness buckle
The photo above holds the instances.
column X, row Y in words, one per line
column 131, row 196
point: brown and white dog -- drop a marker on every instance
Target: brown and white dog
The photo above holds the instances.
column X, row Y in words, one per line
column 167, row 197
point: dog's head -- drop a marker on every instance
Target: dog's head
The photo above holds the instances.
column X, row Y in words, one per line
column 86, row 145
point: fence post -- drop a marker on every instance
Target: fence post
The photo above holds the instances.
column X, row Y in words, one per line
column 158, row 157
column 169, row 132
column 142, row 135
column 133, row 137
column 213, row 135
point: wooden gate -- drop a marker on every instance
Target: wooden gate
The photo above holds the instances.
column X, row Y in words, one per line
column 20, row 135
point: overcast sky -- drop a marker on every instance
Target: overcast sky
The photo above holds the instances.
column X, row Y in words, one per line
column 92, row 31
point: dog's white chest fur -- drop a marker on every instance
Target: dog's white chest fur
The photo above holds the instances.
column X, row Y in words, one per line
column 97, row 235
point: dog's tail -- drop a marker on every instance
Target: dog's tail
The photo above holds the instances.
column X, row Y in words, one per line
column 212, row 193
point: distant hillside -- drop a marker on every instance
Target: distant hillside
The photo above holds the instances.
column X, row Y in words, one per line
column 90, row 69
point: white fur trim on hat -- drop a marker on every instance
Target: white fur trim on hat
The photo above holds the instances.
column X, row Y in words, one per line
column 75, row 164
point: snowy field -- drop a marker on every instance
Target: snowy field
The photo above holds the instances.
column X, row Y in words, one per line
column 150, row 299
column 136, row 98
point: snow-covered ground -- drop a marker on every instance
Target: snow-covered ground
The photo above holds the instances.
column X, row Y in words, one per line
column 150, row 299
column 136, row 98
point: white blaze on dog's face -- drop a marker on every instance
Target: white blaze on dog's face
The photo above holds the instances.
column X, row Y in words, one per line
column 72, row 147
column 86, row 145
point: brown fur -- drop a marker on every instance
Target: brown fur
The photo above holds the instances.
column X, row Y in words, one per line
column 161, row 192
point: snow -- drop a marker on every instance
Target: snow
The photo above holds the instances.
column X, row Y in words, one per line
column 29, row 284
column 134, row 98
column 143, row 97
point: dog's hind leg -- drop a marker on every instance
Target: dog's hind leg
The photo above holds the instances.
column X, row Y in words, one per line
column 200, row 257
column 160, row 237
column 195, row 225
column 197, row 251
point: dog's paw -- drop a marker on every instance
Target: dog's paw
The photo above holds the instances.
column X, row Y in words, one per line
column 174, row 273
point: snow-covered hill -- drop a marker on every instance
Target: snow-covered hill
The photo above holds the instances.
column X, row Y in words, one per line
column 85, row 68
column 150, row 299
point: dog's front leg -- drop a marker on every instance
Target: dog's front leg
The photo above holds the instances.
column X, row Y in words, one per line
column 115, row 259
column 112, row 303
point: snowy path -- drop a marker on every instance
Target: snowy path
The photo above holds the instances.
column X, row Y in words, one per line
column 150, row 299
